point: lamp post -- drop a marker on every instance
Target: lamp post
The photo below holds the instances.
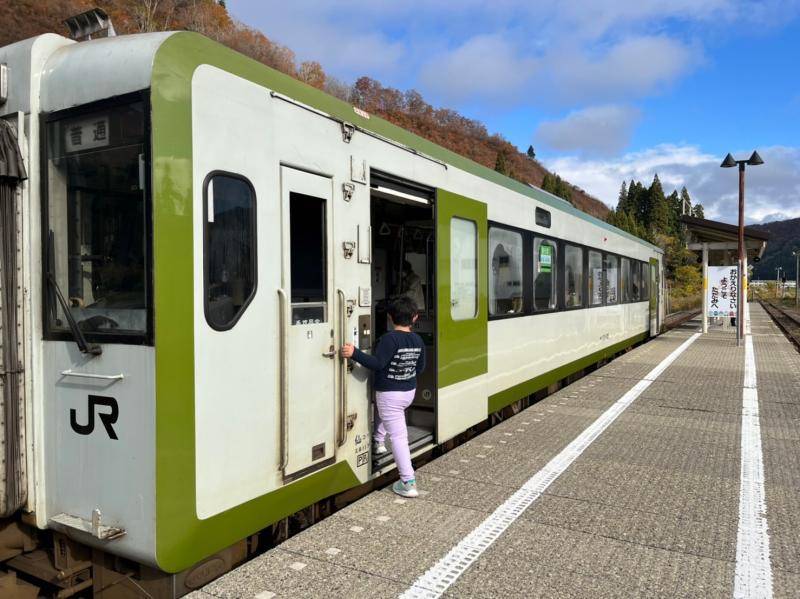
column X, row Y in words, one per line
column 729, row 162
column 778, row 282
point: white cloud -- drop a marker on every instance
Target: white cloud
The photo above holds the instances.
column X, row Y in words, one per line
column 595, row 130
column 634, row 67
column 772, row 190
column 486, row 66
column 581, row 52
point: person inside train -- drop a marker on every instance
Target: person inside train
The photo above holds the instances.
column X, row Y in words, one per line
column 398, row 359
column 411, row 285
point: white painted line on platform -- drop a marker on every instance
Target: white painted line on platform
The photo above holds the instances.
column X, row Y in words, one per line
column 446, row 571
column 753, row 569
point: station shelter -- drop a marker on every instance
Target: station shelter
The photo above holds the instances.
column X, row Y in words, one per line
column 719, row 244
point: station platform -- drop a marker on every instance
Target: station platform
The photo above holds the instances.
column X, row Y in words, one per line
column 673, row 471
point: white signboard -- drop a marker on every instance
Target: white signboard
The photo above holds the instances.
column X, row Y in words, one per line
column 85, row 134
column 723, row 290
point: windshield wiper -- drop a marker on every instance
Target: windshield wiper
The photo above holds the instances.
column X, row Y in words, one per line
column 80, row 340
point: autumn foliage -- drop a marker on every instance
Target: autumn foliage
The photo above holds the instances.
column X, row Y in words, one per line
column 20, row 19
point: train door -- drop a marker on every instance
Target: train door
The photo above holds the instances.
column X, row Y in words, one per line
column 655, row 294
column 404, row 264
column 462, row 274
column 309, row 344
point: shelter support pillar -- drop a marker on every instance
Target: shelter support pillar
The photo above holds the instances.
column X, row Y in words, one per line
column 705, row 288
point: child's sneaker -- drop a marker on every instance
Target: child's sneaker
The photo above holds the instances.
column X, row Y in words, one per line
column 378, row 448
column 406, row 489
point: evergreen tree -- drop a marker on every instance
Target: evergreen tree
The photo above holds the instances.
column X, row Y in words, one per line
column 557, row 186
column 674, row 204
column 500, row 164
column 548, row 183
column 531, row 153
column 657, row 218
column 697, row 211
column 623, row 194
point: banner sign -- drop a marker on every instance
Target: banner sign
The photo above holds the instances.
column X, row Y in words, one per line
column 723, row 291
column 545, row 257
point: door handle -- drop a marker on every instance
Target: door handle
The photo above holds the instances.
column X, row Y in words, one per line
column 342, row 432
column 87, row 375
column 282, row 369
column 331, row 353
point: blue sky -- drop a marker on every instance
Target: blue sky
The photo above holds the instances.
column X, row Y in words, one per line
column 604, row 90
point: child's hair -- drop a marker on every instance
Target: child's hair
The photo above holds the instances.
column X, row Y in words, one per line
column 402, row 310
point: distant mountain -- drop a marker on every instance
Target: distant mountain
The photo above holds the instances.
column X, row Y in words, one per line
column 20, row 19
column 784, row 239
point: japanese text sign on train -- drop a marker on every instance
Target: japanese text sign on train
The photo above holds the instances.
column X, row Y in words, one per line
column 723, row 290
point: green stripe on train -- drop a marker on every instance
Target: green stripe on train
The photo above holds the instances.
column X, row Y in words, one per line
column 498, row 401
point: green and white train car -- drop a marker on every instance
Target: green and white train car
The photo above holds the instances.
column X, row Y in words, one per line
column 197, row 235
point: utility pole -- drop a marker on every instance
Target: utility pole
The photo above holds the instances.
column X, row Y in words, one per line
column 778, row 284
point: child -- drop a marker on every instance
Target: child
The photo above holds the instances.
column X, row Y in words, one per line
column 399, row 357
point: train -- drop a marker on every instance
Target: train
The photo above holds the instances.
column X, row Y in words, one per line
column 188, row 238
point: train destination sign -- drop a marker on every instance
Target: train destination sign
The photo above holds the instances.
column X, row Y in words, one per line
column 86, row 134
column 722, row 291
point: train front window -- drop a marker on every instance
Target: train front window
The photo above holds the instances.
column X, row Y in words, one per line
column 96, row 241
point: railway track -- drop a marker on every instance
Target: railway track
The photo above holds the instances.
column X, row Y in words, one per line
column 676, row 319
column 787, row 320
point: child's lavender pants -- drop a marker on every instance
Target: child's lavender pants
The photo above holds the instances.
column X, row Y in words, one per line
column 392, row 413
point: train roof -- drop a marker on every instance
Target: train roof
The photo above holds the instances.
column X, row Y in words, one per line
column 124, row 64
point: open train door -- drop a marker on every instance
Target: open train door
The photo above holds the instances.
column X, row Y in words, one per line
column 655, row 295
column 462, row 323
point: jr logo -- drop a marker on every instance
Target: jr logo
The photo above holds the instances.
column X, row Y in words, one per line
column 107, row 418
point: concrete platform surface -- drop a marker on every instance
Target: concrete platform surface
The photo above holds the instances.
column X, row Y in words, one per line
column 655, row 505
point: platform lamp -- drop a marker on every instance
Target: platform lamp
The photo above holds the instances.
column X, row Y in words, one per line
column 730, row 162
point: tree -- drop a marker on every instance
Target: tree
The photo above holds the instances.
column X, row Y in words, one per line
column 500, row 163
column 557, row 186
column 531, row 153
column 623, row 194
column 697, row 211
column 311, row 72
column 657, row 218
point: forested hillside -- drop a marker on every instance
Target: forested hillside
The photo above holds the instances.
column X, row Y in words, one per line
column 20, row 19
column 784, row 238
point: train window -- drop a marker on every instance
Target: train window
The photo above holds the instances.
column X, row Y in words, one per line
column 542, row 217
column 595, row 276
column 612, row 279
column 505, row 274
column 645, row 289
column 463, row 269
column 624, row 280
column 634, row 282
column 230, row 249
column 544, row 274
column 309, row 273
column 97, row 240
column 573, row 276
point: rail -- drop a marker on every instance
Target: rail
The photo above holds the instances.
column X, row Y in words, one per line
column 787, row 320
